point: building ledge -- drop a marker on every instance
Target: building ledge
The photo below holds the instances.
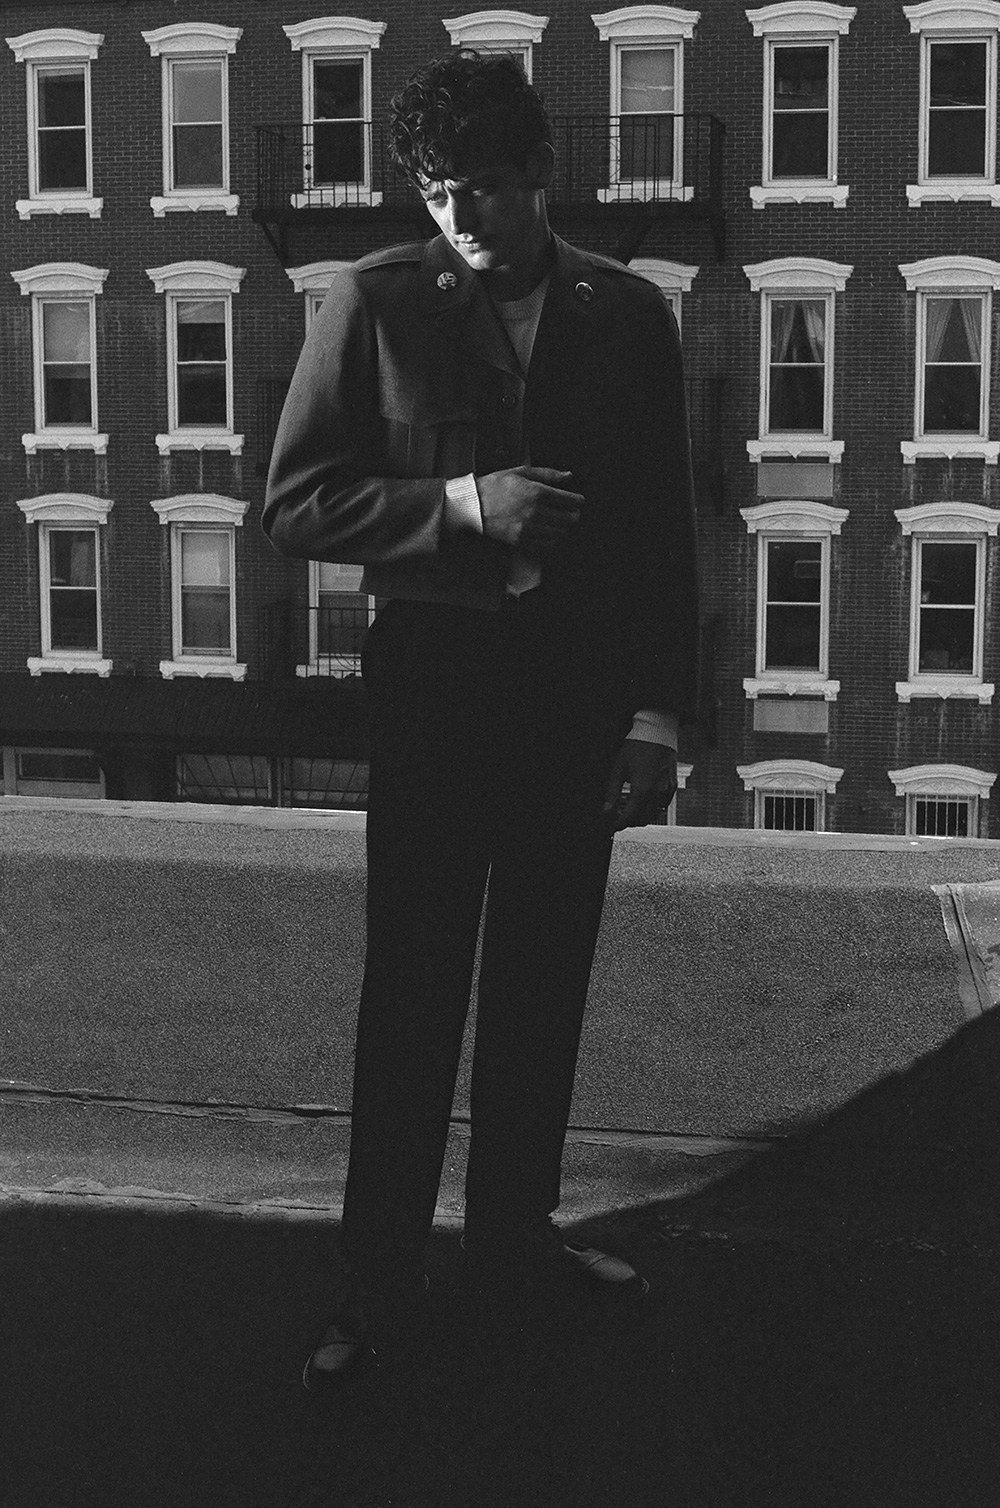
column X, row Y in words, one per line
column 945, row 449
column 227, row 669
column 349, row 196
column 164, row 204
column 945, row 687
column 790, row 685
column 952, row 192
column 68, row 664
column 60, row 204
column 205, row 439
column 799, row 193
column 781, row 447
column 65, row 439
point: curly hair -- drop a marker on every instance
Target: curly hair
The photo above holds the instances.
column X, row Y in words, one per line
column 465, row 107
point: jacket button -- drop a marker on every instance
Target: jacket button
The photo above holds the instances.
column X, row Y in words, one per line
column 508, row 401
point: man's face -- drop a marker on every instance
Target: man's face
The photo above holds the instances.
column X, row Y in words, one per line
column 494, row 215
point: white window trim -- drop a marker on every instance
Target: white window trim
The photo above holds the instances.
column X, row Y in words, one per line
column 349, row 39
column 57, row 44
column 804, row 277
column 314, row 280
column 181, row 280
column 647, row 26
column 498, row 31
column 62, row 280
column 819, row 780
column 211, row 509
column 66, row 510
column 318, row 665
column 958, row 276
column 810, row 520
column 943, row 21
column 210, row 43
column 806, row 21
column 673, row 279
column 945, row 523
column 942, row 782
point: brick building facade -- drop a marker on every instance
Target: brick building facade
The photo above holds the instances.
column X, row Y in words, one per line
column 813, row 185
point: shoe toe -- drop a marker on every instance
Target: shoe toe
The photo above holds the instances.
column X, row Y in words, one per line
column 608, row 1272
column 337, row 1355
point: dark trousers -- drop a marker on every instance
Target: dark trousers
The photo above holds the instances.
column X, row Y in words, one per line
column 492, row 736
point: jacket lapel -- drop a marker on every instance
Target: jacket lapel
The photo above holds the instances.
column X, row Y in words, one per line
column 574, row 315
column 455, row 300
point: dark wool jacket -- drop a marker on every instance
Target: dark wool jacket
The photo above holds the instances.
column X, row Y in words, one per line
column 407, row 378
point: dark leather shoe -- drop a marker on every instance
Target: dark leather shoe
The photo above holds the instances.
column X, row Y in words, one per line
column 365, row 1321
column 529, row 1257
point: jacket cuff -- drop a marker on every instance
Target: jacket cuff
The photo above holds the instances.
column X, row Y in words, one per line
column 655, row 726
column 461, row 505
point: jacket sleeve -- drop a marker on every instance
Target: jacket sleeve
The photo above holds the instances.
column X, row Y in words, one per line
column 326, row 498
column 665, row 619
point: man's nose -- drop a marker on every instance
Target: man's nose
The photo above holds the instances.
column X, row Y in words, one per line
column 462, row 216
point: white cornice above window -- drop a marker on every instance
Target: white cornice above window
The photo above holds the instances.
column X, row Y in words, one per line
column 315, row 277
column 672, row 277
column 798, row 275
column 801, row 18
column 56, row 42
column 646, row 23
column 785, row 774
column 192, row 37
column 949, row 518
column 495, row 28
column 60, row 277
column 794, row 517
column 196, row 277
column 66, row 508
column 953, row 274
column 942, row 780
column 199, row 508
column 947, row 16
column 328, row 33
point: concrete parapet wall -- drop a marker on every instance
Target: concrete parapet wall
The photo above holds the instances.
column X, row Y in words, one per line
column 745, row 983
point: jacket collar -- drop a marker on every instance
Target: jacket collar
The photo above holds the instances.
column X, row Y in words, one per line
column 453, row 295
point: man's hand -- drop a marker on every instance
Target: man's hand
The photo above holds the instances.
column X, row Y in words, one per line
column 650, row 770
column 528, row 507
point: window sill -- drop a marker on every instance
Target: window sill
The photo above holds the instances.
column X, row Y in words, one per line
column 945, row 449
column 205, row 439
column 349, row 196
column 332, row 668
column 65, row 439
column 69, row 664
column 165, row 204
column 60, row 204
column 796, row 192
column 785, row 446
column 202, row 668
column 945, row 686
column 645, row 191
column 791, row 685
column 952, row 191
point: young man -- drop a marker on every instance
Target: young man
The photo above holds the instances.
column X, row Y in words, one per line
column 493, row 425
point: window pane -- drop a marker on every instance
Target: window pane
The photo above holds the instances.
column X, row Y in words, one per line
column 201, row 330
column 197, row 89
column 798, row 330
column 954, row 329
column 799, row 147
column 66, row 332
column 62, row 160
column 647, row 80
column 204, row 558
column 198, row 157
column 62, row 97
column 952, row 399
column 338, row 783
column 788, row 811
column 792, row 640
column 201, row 395
column 958, row 73
column 793, row 570
column 338, row 153
column 948, row 574
column 73, row 616
column 205, row 621
column 337, row 91
column 73, row 557
column 341, row 622
column 337, row 577
column 939, row 817
column 646, row 147
column 957, row 144
column 801, row 78
column 224, row 777
column 66, row 395
column 946, row 639
column 797, row 399
column 40, row 764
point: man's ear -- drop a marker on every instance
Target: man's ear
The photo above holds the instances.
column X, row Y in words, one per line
column 541, row 165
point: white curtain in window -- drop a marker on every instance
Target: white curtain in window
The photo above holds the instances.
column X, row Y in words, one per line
column 939, row 317
column 783, row 318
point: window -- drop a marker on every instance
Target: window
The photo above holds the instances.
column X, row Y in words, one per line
column 498, row 31
column 336, row 109
column 340, row 784
column 70, row 773
column 790, row 794
column 947, row 599
column 69, row 558
column 793, row 597
column 647, row 93
column 199, row 355
column 195, row 84
column 673, row 279
column 64, row 342
column 225, row 779
column 796, row 388
column 801, row 53
column 203, row 584
column 958, row 100
column 314, row 280
column 340, row 615
column 942, row 800
column 60, row 154
column 954, row 316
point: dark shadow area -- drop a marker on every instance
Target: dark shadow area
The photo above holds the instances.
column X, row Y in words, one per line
column 821, row 1333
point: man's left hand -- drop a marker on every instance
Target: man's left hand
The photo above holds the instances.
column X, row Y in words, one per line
column 650, row 771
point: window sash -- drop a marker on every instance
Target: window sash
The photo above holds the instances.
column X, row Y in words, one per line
column 42, row 138
column 948, row 630
column 805, row 618
column 823, row 168
column 647, row 145
column 336, row 148
column 952, row 387
column 185, row 134
column 802, row 386
column 210, row 376
column 934, row 118
column 70, row 610
column 204, row 612
column 59, row 381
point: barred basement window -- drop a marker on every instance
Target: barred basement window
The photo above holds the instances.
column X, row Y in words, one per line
column 340, row 784
column 789, row 811
column 226, row 779
column 941, row 816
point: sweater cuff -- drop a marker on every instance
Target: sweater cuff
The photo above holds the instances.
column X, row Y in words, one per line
column 461, row 505
column 655, row 726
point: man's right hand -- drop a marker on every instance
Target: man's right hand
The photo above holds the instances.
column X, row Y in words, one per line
column 528, row 507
